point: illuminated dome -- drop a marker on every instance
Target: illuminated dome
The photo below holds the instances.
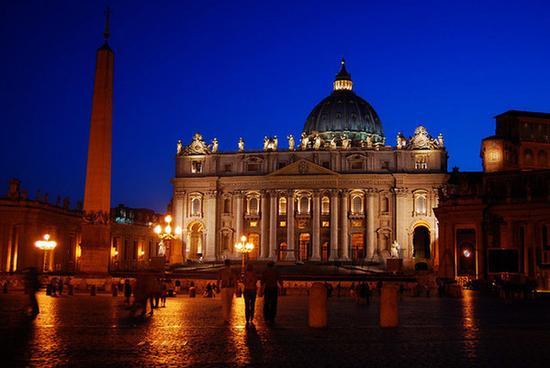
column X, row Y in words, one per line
column 344, row 113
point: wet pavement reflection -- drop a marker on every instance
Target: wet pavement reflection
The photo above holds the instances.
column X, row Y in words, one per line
column 96, row 331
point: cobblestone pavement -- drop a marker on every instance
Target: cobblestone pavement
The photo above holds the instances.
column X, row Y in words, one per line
column 475, row 331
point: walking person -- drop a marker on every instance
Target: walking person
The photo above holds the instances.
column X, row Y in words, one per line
column 227, row 282
column 32, row 284
column 271, row 280
column 60, row 285
column 249, row 283
column 127, row 291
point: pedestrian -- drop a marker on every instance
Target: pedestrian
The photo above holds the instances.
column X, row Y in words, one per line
column 142, row 292
column 53, row 286
column 249, row 284
column 163, row 293
column 227, row 282
column 127, row 291
column 31, row 288
column 271, row 279
column 60, row 285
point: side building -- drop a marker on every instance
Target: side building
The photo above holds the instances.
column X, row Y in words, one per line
column 337, row 192
column 497, row 221
column 23, row 221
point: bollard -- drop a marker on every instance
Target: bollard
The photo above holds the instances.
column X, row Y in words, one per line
column 389, row 315
column 92, row 290
column 71, row 289
column 192, row 292
column 48, row 289
column 318, row 306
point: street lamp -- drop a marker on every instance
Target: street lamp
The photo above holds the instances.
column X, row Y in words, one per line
column 244, row 247
column 45, row 245
column 166, row 233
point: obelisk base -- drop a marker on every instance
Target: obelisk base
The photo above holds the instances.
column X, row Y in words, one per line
column 96, row 249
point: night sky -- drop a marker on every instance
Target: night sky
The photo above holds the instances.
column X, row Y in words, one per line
column 230, row 69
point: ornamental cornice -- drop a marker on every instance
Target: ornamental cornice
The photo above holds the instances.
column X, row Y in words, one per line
column 400, row 191
column 211, row 193
column 179, row 194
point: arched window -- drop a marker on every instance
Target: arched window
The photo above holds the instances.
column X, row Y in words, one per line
column 253, row 205
column 196, row 205
column 357, row 204
column 385, row 204
column 420, row 203
column 303, row 207
column 227, row 205
column 282, row 206
column 325, row 205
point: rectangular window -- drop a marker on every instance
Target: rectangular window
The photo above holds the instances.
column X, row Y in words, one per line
column 253, row 223
column 357, row 165
column 326, row 164
column 282, row 223
column 227, row 168
column 325, row 223
column 196, row 167
column 385, row 165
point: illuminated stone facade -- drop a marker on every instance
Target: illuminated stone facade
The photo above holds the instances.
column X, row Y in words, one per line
column 498, row 221
column 337, row 192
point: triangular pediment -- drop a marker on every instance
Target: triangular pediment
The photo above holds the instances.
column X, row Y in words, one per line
column 303, row 167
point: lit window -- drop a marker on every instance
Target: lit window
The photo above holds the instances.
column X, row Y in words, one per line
column 325, row 206
column 325, row 223
column 420, row 204
column 253, row 223
column 282, row 206
column 357, row 204
column 421, row 162
column 282, row 223
column 253, row 205
column 196, row 206
column 196, row 167
column 303, row 207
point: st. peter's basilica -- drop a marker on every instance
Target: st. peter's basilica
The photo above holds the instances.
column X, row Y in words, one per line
column 339, row 191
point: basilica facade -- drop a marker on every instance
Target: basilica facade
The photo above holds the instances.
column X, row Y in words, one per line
column 337, row 192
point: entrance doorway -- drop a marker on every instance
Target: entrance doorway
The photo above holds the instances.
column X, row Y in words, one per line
column 421, row 242
column 357, row 246
column 304, row 247
column 195, row 239
column 254, row 239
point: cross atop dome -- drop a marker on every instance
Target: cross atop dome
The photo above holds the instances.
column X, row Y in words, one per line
column 343, row 79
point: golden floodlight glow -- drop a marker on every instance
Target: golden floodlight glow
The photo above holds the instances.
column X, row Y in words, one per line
column 168, row 219
column 178, row 230
column 45, row 244
column 243, row 238
column 158, row 229
column 168, row 229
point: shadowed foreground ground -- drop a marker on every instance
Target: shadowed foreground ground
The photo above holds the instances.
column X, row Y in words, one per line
column 94, row 331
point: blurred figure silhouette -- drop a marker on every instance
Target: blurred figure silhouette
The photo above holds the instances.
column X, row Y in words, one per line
column 31, row 288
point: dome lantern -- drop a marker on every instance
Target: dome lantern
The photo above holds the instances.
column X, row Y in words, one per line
column 343, row 79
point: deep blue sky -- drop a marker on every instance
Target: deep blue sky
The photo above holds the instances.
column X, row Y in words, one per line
column 230, row 69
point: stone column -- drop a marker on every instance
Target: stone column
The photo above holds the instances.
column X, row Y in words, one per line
column 400, row 221
column 344, row 239
column 334, row 225
column 370, row 225
column 316, row 256
column 272, row 224
column 264, row 237
column 209, row 251
column 178, row 253
column 290, row 241
column 238, row 197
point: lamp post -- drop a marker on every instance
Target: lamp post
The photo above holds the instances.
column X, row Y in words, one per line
column 244, row 247
column 166, row 233
column 45, row 245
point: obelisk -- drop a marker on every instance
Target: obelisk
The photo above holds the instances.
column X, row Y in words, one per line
column 96, row 231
